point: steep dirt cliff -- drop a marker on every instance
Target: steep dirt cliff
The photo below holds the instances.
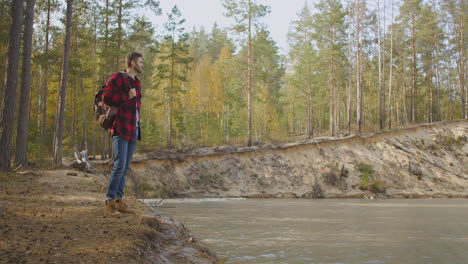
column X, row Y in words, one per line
column 422, row 161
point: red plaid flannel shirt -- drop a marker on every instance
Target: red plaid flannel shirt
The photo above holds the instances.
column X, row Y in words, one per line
column 116, row 94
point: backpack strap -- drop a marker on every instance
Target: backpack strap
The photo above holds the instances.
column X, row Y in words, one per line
column 128, row 81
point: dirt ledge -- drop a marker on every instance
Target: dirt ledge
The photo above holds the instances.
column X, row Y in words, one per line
column 52, row 217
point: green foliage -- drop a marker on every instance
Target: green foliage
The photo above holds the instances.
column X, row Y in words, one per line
column 368, row 178
column 241, row 11
column 217, row 40
column 268, row 70
column 292, row 94
column 450, row 142
column 4, row 31
column 171, row 73
column 304, row 88
column 367, row 173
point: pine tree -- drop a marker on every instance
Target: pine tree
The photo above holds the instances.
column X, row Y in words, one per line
column 454, row 11
column 171, row 71
column 9, row 99
column 269, row 71
column 60, row 117
column 409, row 16
column 390, row 78
column 246, row 14
column 304, row 59
column 23, row 120
column 330, row 36
column 45, row 74
column 429, row 40
column 5, row 9
column 218, row 40
column 380, row 56
column 198, row 44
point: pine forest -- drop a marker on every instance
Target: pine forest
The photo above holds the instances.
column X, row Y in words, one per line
column 352, row 66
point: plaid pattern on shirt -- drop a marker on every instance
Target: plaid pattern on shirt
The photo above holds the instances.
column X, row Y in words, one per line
column 116, row 94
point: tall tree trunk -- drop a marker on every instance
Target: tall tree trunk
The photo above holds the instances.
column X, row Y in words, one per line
column 166, row 108
column 450, row 104
column 462, row 61
column 45, row 68
column 104, row 145
column 11, row 80
column 77, row 81
column 414, row 107
column 381, row 88
column 249, row 78
column 119, row 35
column 226, row 123
column 331, row 81
column 337, row 111
column 171, row 97
column 407, row 111
column 358, row 68
column 107, row 66
column 95, row 84
column 310, row 114
column 23, row 120
column 390, row 79
column 336, row 99
column 60, row 119
column 107, row 69
column 430, row 76
column 72, row 104
column 83, row 100
column 332, row 107
column 382, row 67
column 38, row 108
column 350, row 77
column 437, row 82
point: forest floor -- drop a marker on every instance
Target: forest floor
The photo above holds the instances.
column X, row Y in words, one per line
column 57, row 216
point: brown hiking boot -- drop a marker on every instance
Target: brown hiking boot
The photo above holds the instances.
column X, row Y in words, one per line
column 122, row 207
column 111, row 209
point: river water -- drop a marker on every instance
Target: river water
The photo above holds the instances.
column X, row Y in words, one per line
column 418, row 231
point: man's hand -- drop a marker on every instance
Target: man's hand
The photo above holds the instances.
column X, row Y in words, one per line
column 132, row 93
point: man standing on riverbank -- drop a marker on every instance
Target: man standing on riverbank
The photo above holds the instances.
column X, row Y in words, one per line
column 123, row 90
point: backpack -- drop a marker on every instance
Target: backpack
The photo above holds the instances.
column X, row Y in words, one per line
column 103, row 113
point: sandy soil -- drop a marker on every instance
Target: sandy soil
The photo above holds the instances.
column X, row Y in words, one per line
column 53, row 217
column 427, row 160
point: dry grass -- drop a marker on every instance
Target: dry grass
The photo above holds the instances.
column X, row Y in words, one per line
column 54, row 218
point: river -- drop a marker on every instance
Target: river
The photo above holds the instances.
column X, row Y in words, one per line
column 345, row 231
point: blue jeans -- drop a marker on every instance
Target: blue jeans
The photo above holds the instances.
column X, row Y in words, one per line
column 123, row 154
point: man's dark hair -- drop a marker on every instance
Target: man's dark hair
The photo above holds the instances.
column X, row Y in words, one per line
column 132, row 56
